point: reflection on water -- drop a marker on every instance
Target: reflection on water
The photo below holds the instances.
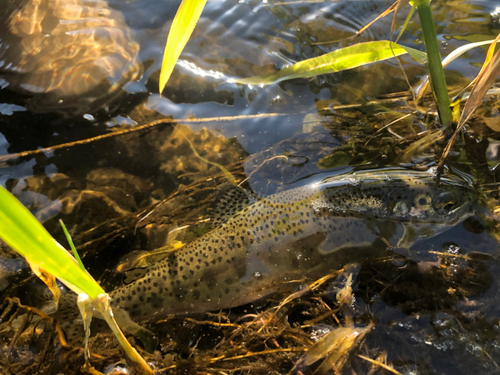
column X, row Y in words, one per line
column 148, row 190
column 66, row 51
column 90, row 49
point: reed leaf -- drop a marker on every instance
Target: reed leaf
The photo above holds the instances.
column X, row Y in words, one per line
column 183, row 25
column 24, row 233
column 485, row 80
column 452, row 57
column 434, row 66
column 342, row 59
column 488, row 74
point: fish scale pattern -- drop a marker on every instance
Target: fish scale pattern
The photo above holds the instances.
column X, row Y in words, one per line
column 302, row 232
column 271, row 240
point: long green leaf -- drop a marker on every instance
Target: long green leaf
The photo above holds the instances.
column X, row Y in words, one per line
column 24, row 233
column 434, row 66
column 407, row 20
column 71, row 244
column 182, row 27
column 342, row 59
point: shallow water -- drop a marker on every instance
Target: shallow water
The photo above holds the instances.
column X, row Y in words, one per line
column 433, row 313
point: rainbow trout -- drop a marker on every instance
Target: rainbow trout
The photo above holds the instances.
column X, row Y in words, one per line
column 257, row 245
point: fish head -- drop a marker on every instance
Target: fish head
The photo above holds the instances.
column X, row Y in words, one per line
column 424, row 199
column 423, row 204
column 426, row 206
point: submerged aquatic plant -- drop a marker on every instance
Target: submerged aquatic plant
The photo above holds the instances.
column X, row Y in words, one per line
column 24, row 233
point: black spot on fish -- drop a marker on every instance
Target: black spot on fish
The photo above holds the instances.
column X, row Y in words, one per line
column 196, row 294
column 157, row 303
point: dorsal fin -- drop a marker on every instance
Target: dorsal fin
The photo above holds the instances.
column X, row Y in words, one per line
column 230, row 201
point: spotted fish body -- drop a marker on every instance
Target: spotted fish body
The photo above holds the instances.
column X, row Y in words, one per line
column 293, row 234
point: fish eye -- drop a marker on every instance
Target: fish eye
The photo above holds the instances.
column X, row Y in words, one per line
column 445, row 202
column 449, row 206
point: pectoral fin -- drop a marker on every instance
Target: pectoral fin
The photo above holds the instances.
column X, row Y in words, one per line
column 409, row 236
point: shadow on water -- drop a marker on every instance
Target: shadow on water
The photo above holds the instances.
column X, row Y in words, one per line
column 131, row 199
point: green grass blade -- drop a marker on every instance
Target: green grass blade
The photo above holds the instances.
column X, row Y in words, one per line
column 182, row 27
column 434, row 65
column 342, row 59
column 24, row 233
column 407, row 21
column 72, row 245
